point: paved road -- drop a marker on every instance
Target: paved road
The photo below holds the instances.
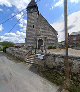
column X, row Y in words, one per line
column 16, row 77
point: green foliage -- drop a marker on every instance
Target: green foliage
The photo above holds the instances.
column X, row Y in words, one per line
column 54, row 47
column 6, row 44
column 58, row 78
column 1, row 49
column 54, row 77
column 75, row 83
column 51, row 47
column 4, row 48
column 74, row 88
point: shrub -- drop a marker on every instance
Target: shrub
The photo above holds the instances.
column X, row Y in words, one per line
column 5, row 45
column 4, row 48
column 1, row 49
column 51, row 47
column 54, row 47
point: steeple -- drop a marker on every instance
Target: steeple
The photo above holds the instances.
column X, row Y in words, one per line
column 33, row 0
column 32, row 4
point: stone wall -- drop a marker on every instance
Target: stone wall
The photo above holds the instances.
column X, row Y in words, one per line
column 39, row 28
column 19, row 53
column 51, row 60
column 46, row 30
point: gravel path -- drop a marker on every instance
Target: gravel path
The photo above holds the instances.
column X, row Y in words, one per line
column 71, row 52
column 16, row 77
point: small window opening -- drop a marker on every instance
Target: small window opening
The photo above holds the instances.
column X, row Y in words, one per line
column 33, row 26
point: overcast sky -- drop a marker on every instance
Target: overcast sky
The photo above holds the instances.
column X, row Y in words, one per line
column 52, row 10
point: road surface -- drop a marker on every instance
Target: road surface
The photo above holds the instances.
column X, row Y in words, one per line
column 16, row 77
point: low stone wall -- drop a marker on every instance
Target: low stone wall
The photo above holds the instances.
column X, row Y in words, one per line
column 19, row 53
column 51, row 60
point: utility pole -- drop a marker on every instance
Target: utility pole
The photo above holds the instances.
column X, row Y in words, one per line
column 66, row 62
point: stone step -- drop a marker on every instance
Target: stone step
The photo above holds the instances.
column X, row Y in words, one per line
column 29, row 58
column 28, row 61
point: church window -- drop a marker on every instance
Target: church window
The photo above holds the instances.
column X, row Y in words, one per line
column 33, row 26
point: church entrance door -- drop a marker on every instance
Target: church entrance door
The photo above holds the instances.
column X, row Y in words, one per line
column 40, row 43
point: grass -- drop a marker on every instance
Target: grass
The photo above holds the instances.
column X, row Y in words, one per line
column 53, row 76
column 74, row 88
column 57, row 78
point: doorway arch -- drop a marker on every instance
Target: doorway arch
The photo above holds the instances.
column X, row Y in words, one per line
column 40, row 43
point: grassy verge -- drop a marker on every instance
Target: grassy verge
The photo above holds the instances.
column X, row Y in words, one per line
column 53, row 76
column 57, row 78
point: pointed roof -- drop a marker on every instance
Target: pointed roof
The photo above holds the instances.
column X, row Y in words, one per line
column 32, row 4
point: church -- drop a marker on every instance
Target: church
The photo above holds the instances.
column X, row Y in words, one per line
column 39, row 32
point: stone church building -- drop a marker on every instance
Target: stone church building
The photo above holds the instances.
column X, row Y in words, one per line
column 39, row 32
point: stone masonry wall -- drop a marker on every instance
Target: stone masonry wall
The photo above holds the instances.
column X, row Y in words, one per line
column 51, row 60
column 37, row 27
column 19, row 53
column 46, row 30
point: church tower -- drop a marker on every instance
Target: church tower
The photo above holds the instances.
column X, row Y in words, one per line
column 32, row 15
column 39, row 32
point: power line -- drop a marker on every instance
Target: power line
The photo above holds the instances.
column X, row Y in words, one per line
column 16, row 14
column 15, row 24
column 12, row 16
column 17, row 20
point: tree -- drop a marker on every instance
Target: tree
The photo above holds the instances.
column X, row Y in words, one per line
column 6, row 44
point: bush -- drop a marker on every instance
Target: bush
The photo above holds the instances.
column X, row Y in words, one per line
column 51, row 75
column 4, row 48
column 5, row 45
column 54, row 47
column 1, row 49
column 51, row 47
column 74, row 88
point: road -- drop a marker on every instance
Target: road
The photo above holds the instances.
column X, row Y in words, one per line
column 16, row 77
